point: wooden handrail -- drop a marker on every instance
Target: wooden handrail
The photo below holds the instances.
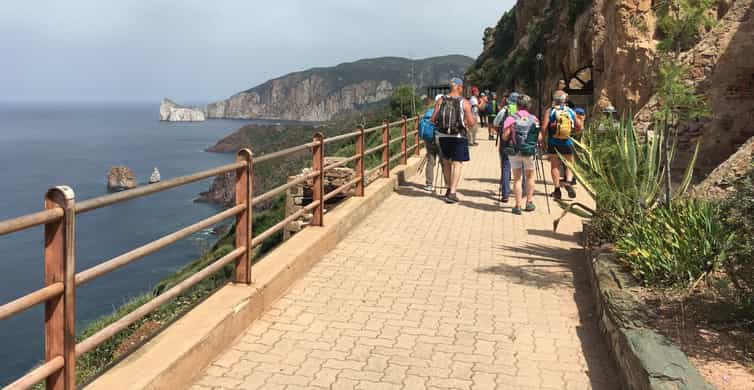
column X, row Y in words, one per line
column 58, row 294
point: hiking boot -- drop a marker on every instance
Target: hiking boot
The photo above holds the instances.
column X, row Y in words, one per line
column 429, row 188
column 451, row 198
column 571, row 192
column 556, row 194
column 516, row 210
column 530, row 207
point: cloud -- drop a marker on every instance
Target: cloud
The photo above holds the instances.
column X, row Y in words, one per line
column 201, row 50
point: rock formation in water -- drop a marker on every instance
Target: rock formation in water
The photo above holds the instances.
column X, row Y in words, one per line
column 610, row 47
column 121, row 178
column 172, row 112
column 221, row 191
column 320, row 93
column 155, row 176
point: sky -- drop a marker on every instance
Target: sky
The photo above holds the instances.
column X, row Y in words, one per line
column 202, row 51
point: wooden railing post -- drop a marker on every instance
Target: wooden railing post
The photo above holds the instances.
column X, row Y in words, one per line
column 417, row 149
column 360, row 161
column 318, row 190
column 386, row 149
column 404, row 136
column 244, row 194
column 60, row 266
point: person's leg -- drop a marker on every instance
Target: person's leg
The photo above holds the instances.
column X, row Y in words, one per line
column 517, row 189
column 446, row 169
column 555, row 173
column 455, row 176
column 529, row 185
column 431, row 161
column 505, row 175
column 569, row 177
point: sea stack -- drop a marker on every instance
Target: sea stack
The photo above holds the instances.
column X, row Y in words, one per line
column 155, row 177
column 121, row 178
column 172, row 112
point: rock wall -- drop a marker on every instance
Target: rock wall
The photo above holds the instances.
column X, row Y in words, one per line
column 172, row 112
column 319, row 94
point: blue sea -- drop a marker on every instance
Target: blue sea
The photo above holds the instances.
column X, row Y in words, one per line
column 45, row 145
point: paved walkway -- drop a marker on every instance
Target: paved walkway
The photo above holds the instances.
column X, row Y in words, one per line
column 426, row 295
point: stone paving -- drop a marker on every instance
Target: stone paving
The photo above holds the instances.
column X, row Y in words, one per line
column 426, row 295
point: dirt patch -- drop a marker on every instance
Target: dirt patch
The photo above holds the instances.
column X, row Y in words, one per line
column 144, row 332
column 721, row 347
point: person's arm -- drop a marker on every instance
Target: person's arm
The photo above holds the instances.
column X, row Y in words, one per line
column 507, row 132
column 437, row 110
column 469, row 116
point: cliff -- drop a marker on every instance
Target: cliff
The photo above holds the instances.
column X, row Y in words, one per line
column 319, row 94
column 172, row 112
column 607, row 52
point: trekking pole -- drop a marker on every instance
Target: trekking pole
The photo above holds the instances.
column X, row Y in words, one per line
column 544, row 180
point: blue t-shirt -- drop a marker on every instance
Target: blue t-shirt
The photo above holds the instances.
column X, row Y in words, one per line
column 551, row 140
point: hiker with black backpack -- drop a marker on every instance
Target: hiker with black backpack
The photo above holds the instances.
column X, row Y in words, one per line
column 521, row 134
column 560, row 123
column 453, row 117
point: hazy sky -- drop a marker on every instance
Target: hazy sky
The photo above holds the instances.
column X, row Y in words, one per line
column 199, row 51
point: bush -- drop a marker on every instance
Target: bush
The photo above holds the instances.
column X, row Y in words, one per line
column 738, row 210
column 674, row 246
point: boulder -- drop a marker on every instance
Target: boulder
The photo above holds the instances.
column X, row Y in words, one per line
column 121, row 178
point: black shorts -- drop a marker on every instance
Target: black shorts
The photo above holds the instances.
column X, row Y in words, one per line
column 454, row 148
column 562, row 149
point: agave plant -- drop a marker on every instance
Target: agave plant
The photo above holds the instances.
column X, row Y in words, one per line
column 623, row 172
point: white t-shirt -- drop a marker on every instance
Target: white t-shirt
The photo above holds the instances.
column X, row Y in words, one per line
column 474, row 104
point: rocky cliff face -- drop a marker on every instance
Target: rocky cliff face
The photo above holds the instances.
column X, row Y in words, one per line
column 319, row 94
column 121, row 178
column 614, row 44
column 171, row 111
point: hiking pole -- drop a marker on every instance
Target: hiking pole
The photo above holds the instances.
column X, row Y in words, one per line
column 544, row 180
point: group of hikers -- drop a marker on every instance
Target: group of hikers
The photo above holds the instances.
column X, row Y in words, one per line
column 451, row 126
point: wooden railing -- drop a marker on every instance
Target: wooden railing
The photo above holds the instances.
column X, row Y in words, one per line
column 59, row 219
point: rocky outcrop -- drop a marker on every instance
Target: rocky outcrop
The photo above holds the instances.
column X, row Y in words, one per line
column 720, row 182
column 221, row 191
column 121, row 178
column 319, row 94
column 172, row 112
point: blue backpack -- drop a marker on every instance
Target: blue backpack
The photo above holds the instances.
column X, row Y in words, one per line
column 427, row 129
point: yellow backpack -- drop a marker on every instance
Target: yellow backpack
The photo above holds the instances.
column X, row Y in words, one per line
column 563, row 123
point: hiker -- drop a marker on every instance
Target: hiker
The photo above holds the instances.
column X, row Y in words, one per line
column 428, row 133
column 453, row 117
column 505, row 167
column 521, row 133
column 474, row 101
column 492, row 108
column 560, row 123
column 483, row 106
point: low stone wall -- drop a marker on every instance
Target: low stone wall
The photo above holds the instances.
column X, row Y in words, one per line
column 646, row 360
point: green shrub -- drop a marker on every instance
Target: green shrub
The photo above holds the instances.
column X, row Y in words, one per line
column 682, row 22
column 738, row 210
column 676, row 245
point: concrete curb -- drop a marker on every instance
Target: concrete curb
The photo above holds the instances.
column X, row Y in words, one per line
column 645, row 359
column 172, row 359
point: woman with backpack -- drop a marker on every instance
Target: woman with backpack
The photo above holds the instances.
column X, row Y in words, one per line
column 521, row 134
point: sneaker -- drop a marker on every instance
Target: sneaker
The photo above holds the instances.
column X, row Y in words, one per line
column 429, row 188
column 556, row 194
column 517, row 210
column 451, row 198
column 530, row 207
column 571, row 192
column 574, row 181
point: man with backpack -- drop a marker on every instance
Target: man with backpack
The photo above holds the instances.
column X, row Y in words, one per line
column 521, row 133
column 428, row 132
column 453, row 117
column 491, row 114
column 505, row 167
column 474, row 101
column 559, row 124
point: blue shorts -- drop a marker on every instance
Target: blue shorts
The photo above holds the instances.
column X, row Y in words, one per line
column 454, row 149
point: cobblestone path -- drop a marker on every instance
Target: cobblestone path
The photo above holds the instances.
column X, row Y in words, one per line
column 426, row 295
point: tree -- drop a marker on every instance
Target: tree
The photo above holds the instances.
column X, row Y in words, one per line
column 404, row 101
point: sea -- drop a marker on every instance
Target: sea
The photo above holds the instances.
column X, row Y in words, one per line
column 45, row 145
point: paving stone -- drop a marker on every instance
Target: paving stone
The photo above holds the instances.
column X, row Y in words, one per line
column 426, row 295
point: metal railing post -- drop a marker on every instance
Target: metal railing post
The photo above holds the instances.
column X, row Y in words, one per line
column 417, row 149
column 360, row 161
column 60, row 266
column 404, row 136
column 318, row 190
column 244, row 194
column 386, row 149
